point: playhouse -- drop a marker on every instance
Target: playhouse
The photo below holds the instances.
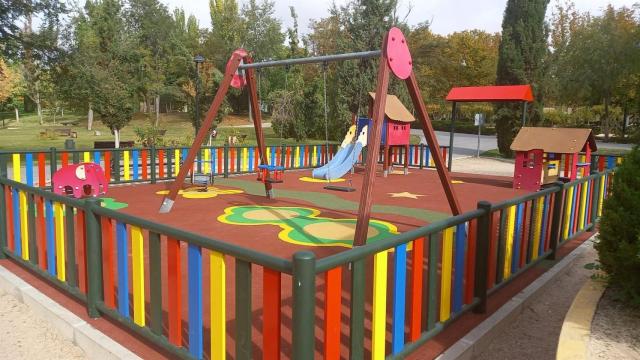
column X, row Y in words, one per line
column 396, row 128
column 545, row 155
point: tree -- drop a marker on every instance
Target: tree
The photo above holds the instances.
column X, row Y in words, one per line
column 520, row 61
column 600, row 62
column 11, row 86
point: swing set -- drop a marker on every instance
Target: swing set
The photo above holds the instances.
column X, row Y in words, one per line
column 395, row 58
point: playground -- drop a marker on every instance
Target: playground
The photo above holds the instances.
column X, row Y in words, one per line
column 305, row 216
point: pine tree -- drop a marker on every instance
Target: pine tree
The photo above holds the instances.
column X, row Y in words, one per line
column 521, row 53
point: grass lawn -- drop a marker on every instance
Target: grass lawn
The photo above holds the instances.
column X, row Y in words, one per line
column 26, row 134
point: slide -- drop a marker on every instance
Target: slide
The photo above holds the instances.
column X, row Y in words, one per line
column 343, row 152
column 336, row 170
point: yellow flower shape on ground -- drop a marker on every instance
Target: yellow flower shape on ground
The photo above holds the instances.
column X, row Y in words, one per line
column 200, row 193
column 312, row 180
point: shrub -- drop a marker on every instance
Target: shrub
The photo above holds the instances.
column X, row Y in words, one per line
column 619, row 245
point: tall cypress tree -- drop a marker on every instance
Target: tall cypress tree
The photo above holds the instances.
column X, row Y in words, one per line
column 522, row 50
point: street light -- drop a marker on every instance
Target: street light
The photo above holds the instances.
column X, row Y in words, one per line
column 198, row 59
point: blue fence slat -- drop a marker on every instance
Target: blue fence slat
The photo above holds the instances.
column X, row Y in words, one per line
column 123, row 268
column 460, row 242
column 543, row 231
column 51, row 240
column 96, row 157
column 426, row 156
column 251, row 158
column 135, row 158
column 195, row 300
column 517, row 238
column 399, row 289
column 29, row 168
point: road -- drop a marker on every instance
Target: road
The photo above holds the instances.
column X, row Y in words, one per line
column 465, row 145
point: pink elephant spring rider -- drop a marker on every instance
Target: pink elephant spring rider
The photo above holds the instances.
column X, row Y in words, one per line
column 80, row 180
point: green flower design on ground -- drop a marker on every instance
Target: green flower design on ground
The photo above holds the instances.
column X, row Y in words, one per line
column 304, row 226
column 111, row 203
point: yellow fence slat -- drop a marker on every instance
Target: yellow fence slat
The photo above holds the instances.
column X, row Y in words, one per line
column 218, row 317
column 127, row 166
column 445, row 281
column 508, row 256
column 379, row 320
column 567, row 213
column 137, row 261
column 86, row 157
column 537, row 224
column 16, row 167
column 58, row 211
column 24, row 225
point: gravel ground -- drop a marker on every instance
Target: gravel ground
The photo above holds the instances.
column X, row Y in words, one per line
column 24, row 335
column 486, row 166
column 615, row 330
column 534, row 334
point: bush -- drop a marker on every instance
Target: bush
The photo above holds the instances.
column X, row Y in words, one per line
column 619, row 245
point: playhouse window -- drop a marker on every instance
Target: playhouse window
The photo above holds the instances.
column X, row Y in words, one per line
column 530, row 163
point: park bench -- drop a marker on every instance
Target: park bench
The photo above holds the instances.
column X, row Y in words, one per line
column 70, row 122
column 67, row 132
column 112, row 144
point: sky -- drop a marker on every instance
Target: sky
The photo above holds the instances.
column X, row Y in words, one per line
column 446, row 16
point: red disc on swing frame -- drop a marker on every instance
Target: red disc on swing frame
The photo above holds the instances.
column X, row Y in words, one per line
column 398, row 54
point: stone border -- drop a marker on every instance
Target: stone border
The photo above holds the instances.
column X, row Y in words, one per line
column 93, row 342
column 477, row 340
column 576, row 328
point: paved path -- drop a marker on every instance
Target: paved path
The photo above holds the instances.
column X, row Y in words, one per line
column 534, row 333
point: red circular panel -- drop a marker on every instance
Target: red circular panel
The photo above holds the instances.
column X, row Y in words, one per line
column 398, row 54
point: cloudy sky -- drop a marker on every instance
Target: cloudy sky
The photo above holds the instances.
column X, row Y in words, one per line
column 446, row 16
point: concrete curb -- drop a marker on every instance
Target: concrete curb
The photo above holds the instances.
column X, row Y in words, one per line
column 576, row 328
column 477, row 340
column 93, row 342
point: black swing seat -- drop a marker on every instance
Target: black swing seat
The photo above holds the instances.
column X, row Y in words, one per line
column 202, row 180
column 339, row 188
column 274, row 181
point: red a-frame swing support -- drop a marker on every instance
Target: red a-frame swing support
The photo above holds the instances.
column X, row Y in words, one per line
column 394, row 57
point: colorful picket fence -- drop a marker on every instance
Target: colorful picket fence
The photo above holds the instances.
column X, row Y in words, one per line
column 153, row 164
column 420, row 281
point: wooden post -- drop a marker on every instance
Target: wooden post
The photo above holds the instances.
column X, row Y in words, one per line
column 364, row 209
column 232, row 66
column 430, row 136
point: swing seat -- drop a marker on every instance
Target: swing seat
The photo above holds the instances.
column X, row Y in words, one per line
column 339, row 188
column 271, row 174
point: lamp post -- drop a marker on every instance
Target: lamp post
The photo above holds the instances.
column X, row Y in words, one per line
column 198, row 59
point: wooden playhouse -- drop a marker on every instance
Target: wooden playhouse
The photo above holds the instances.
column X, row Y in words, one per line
column 396, row 129
column 545, row 155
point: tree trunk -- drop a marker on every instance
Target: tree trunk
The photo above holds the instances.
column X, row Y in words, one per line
column 157, row 110
column 605, row 120
column 90, row 117
column 17, row 115
column 116, row 134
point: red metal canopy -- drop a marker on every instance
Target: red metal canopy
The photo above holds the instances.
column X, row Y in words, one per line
column 491, row 93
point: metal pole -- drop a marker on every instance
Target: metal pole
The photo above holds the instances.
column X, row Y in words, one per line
column 479, row 132
column 556, row 219
column 304, row 301
column 454, row 107
column 313, row 59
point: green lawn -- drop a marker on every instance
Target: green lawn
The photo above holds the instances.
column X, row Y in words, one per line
column 26, row 134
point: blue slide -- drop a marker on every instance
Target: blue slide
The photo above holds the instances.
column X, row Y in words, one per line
column 336, row 171
column 320, row 173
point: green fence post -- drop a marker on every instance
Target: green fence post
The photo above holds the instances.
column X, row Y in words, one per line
column 115, row 164
column 283, row 153
column 556, row 219
column 53, row 160
column 595, row 200
column 421, row 156
column 152, row 163
column 3, row 164
column 483, row 230
column 3, row 215
column 356, row 322
column 226, row 160
column 94, row 257
column 304, row 301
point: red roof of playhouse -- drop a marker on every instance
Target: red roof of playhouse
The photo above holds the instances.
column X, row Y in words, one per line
column 394, row 109
column 491, row 93
column 554, row 140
